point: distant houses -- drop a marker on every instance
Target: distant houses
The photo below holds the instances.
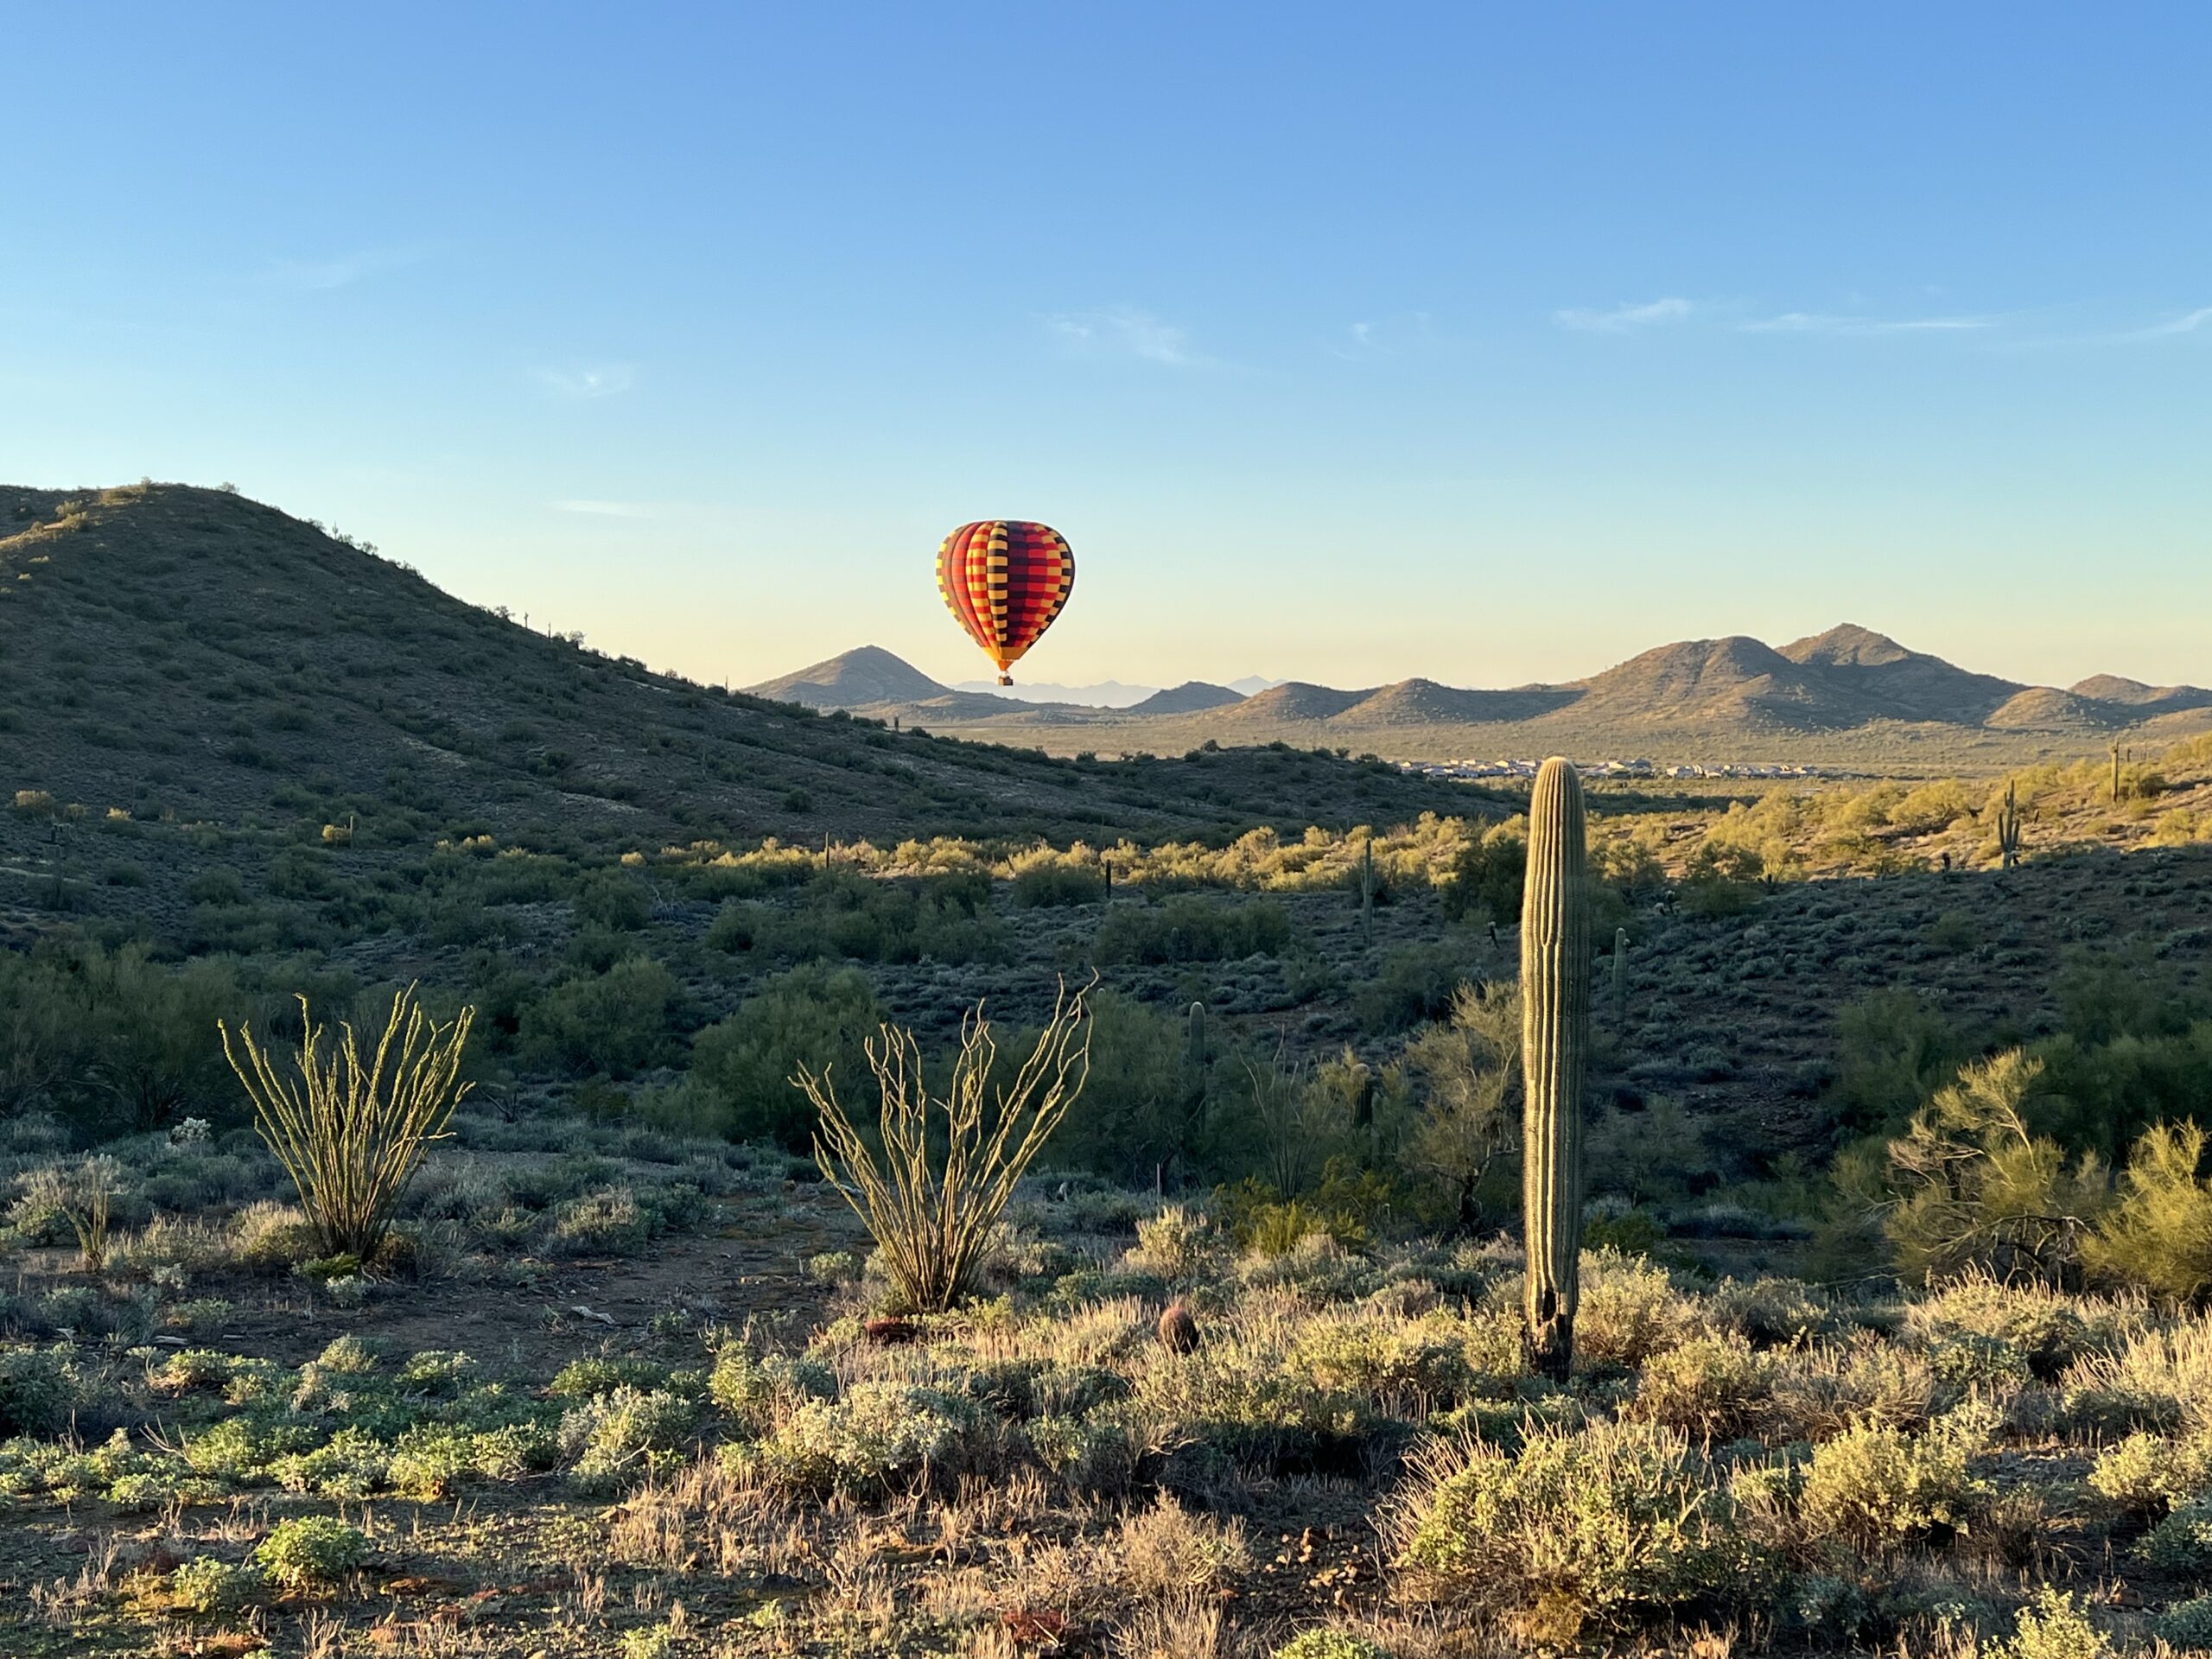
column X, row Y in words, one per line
column 1482, row 770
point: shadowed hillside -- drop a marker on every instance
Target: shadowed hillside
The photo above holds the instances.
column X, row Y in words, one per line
column 170, row 652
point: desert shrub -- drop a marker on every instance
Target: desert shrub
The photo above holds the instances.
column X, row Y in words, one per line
column 1150, row 1100
column 1631, row 1309
column 878, row 1435
column 620, row 903
column 757, row 1391
column 940, row 918
column 1893, row 1048
column 1769, row 1312
column 310, row 1552
column 1056, row 883
column 110, row 1041
column 1183, row 928
column 1821, row 1391
column 813, row 1018
column 1720, row 880
column 1467, row 1067
column 2156, row 1236
column 1091, row 1454
column 950, row 1163
column 356, row 1125
column 39, row 1390
column 217, row 888
column 2187, row 1626
column 2052, row 1626
column 1606, row 1528
column 1487, row 877
column 1166, row 1550
column 1876, row 1487
column 2044, row 1328
column 2157, row 1378
column 206, row 1586
column 1416, row 982
column 614, row 1023
column 83, row 1192
column 606, row 1221
column 623, row 1434
column 1711, row 1388
column 1178, row 1243
column 270, row 1236
column 1330, row 1644
column 1973, row 1186
column 2145, row 1475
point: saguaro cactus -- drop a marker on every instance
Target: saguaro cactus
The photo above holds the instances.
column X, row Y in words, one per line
column 1554, row 1045
column 2008, row 828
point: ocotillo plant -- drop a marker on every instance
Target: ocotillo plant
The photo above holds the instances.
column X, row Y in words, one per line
column 1620, row 978
column 1554, row 1045
column 2008, row 828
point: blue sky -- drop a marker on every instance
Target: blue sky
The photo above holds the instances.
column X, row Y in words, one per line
column 1492, row 343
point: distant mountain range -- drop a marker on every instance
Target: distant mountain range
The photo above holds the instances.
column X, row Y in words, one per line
column 1848, row 680
column 1107, row 693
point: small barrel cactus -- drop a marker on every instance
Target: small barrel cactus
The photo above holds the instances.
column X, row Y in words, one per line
column 1179, row 1331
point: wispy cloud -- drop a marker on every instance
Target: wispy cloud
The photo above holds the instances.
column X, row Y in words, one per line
column 605, row 509
column 1824, row 322
column 1623, row 318
column 605, row 380
column 1126, row 331
column 320, row 275
column 2187, row 323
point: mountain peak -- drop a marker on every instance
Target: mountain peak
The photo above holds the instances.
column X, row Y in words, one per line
column 1848, row 646
column 855, row 679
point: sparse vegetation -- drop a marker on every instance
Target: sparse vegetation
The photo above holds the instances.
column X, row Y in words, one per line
column 1897, row 1232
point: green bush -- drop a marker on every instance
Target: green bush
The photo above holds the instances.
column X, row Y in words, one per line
column 38, row 1390
column 877, row 1436
column 1712, row 1388
column 942, row 918
column 740, row 1083
column 1055, row 884
column 615, row 1023
column 1185, row 928
column 1487, row 878
column 2052, row 1626
column 620, row 903
column 1876, row 1487
column 2181, row 1545
column 206, row 1586
column 2156, row 1236
column 1416, row 982
column 1604, row 1528
column 310, row 1552
column 621, row 1436
column 1330, row 1644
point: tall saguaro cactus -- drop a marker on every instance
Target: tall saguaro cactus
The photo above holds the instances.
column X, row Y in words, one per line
column 1554, row 1046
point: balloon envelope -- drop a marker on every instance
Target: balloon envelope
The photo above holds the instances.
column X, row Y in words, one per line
column 1004, row 581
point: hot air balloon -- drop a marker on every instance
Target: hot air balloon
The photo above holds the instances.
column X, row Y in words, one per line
column 1005, row 581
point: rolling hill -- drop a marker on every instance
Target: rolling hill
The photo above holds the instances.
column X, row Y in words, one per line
column 188, row 674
